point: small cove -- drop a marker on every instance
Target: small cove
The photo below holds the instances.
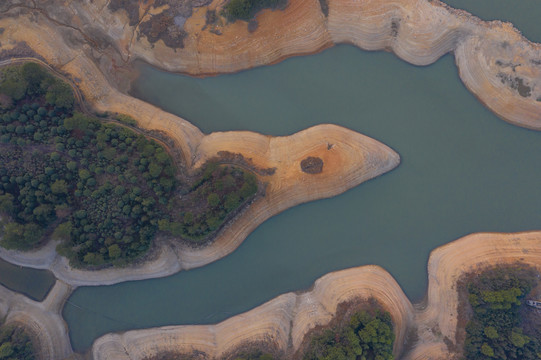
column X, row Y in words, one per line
column 31, row 282
column 463, row 170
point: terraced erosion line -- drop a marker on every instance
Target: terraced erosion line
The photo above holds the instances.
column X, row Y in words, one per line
column 285, row 320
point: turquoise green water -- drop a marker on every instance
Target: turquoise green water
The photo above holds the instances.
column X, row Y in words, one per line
column 524, row 14
column 31, row 282
column 463, row 170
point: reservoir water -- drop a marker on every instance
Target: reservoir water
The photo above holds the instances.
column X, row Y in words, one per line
column 463, row 170
column 31, row 282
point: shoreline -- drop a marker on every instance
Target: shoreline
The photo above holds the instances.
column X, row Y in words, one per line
column 285, row 319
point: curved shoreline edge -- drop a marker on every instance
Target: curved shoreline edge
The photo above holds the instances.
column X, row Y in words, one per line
column 286, row 319
column 495, row 62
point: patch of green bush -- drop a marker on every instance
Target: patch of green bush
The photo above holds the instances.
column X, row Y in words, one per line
column 220, row 190
column 15, row 344
column 246, row 9
column 367, row 336
column 495, row 330
column 126, row 120
column 254, row 355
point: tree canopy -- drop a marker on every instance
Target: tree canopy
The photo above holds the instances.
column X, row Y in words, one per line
column 496, row 329
column 15, row 344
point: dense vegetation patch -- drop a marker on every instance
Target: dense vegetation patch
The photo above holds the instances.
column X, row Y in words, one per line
column 15, row 344
column 246, row 9
column 101, row 188
column 367, row 336
column 496, row 329
column 312, row 165
column 168, row 355
column 217, row 193
column 254, row 355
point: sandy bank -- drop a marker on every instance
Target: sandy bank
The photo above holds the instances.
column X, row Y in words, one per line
column 286, row 319
column 42, row 320
column 493, row 58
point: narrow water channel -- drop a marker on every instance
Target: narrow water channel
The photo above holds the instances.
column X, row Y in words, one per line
column 463, row 170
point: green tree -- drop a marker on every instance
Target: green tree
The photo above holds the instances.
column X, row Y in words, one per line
column 114, row 251
column 93, row 258
column 6, row 203
column 213, row 200
column 487, row 350
column 34, row 75
column 84, row 174
column 518, row 339
column 77, row 122
column 491, row 332
column 13, row 88
column 59, row 187
column 60, row 94
column 63, row 231
column 154, row 169
column 21, row 237
column 6, row 350
column 188, row 218
column 232, row 201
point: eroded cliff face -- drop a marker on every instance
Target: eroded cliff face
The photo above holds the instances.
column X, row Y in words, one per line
column 497, row 64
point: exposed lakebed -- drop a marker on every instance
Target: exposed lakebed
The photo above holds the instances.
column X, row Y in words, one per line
column 463, row 170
